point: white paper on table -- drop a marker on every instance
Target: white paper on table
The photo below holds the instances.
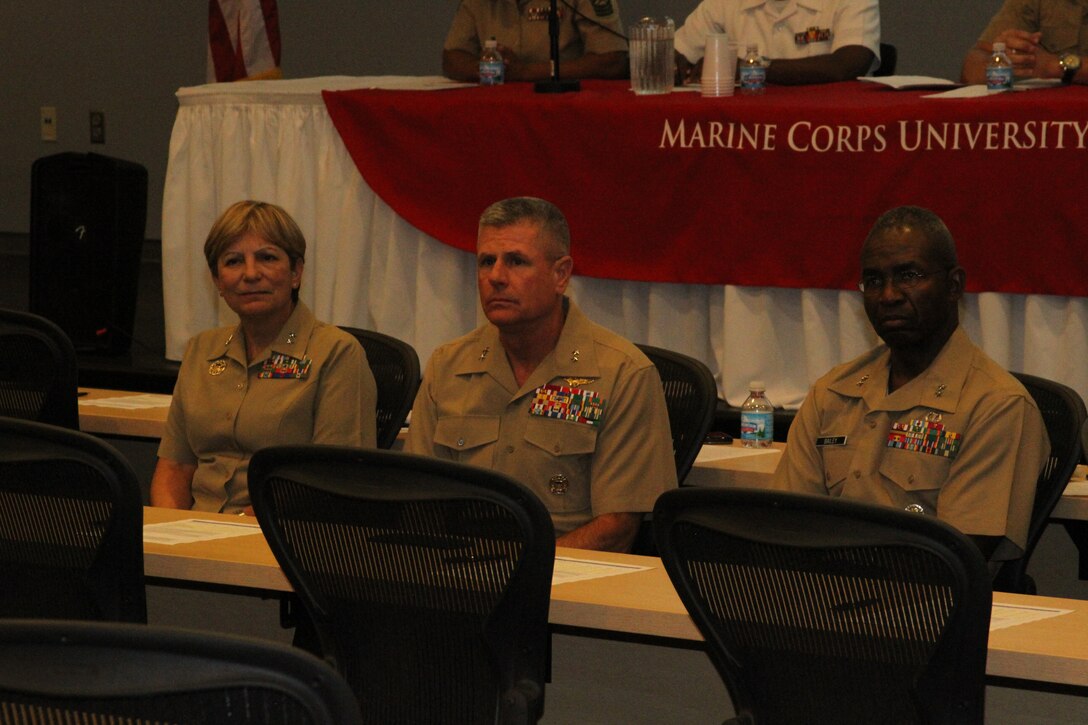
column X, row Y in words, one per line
column 573, row 570
column 980, row 90
column 710, row 452
column 910, row 83
column 130, row 402
column 1010, row 615
column 191, row 531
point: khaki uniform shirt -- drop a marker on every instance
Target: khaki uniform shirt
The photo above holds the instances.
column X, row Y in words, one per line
column 1063, row 23
column 470, row 409
column 223, row 409
column 522, row 26
column 976, row 471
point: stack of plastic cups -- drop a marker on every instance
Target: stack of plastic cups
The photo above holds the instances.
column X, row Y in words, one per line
column 719, row 66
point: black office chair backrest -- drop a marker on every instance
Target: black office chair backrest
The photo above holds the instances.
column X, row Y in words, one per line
column 889, row 59
column 38, row 370
column 427, row 581
column 691, row 396
column 1063, row 414
column 71, row 527
column 395, row 365
column 95, row 672
column 820, row 610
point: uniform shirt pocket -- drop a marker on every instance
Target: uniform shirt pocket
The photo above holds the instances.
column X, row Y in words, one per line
column 837, row 461
column 565, row 473
column 917, row 476
column 469, row 439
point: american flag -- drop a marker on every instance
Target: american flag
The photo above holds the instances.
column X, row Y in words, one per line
column 243, row 40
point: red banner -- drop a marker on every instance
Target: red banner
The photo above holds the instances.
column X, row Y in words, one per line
column 775, row 190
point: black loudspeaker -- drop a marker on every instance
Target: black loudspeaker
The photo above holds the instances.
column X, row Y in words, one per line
column 87, row 219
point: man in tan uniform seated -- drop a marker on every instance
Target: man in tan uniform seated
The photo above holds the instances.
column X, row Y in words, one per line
column 925, row 422
column 1043, row 39
column 591, row 40
column 570, row 410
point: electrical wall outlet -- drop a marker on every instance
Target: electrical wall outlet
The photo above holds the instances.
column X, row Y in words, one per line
column 49, row 123
column 98, row 127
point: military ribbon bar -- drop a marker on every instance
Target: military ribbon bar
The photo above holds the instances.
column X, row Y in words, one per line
column 577, row 405
column 925, row 436
column 285, row 367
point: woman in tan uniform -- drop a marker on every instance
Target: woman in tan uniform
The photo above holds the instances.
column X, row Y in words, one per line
column 279, row 376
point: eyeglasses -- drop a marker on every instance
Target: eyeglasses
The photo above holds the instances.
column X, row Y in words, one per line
column 902, row 280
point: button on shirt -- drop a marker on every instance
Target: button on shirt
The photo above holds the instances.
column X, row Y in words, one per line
column 470, row 409
column 981, row 479
column 847, row 22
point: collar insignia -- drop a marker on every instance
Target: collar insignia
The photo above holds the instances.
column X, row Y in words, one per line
column 217, row 367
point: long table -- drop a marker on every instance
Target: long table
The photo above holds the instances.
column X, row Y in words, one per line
column 367, row 266
column 743, row 468
column 641, row 603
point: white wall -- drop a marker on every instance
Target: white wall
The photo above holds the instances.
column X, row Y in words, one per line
column 128, row 57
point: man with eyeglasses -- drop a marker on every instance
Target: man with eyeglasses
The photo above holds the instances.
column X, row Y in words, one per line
column 925, row 422
column 572, row 411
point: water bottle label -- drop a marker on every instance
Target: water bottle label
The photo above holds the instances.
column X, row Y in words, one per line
column 753, row 78
column 491, row 72
column 999, row 78
column 756, row 426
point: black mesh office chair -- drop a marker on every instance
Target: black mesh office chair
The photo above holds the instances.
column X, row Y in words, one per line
column 1064, row 415
column 71, row 527
column 38, row 370
column 395, row 365
column 691, row 395
column 820, row 610
column 95, row 672
column 427, row 581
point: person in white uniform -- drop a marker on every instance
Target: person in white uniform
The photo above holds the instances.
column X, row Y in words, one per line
column 804, row 41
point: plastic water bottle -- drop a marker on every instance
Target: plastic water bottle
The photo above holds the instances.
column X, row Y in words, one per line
column 753, row 74
column 756, row 418
column 999, row 70
column 492, row 67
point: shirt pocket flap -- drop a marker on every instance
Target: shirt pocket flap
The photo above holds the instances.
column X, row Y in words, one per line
column 561, row 438
column 914, row 470
column 466, row 432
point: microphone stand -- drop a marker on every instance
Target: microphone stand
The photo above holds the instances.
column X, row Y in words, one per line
column 555, row 84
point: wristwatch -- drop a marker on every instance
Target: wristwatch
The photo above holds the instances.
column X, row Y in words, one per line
column 1070, row 64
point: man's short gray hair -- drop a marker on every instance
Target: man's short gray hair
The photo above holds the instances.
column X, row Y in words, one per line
column 529, row 208
column 942, row 246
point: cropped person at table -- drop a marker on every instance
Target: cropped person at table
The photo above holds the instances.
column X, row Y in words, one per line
column 1043, row 39
column 805, row 41
column 569, row 409
column 591, row 40
column 277, row 377
column 925, row 422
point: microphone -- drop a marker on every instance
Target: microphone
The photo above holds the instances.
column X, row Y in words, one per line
column 555, row 84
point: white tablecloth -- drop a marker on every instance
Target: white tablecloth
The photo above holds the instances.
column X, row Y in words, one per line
column 367, row 267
